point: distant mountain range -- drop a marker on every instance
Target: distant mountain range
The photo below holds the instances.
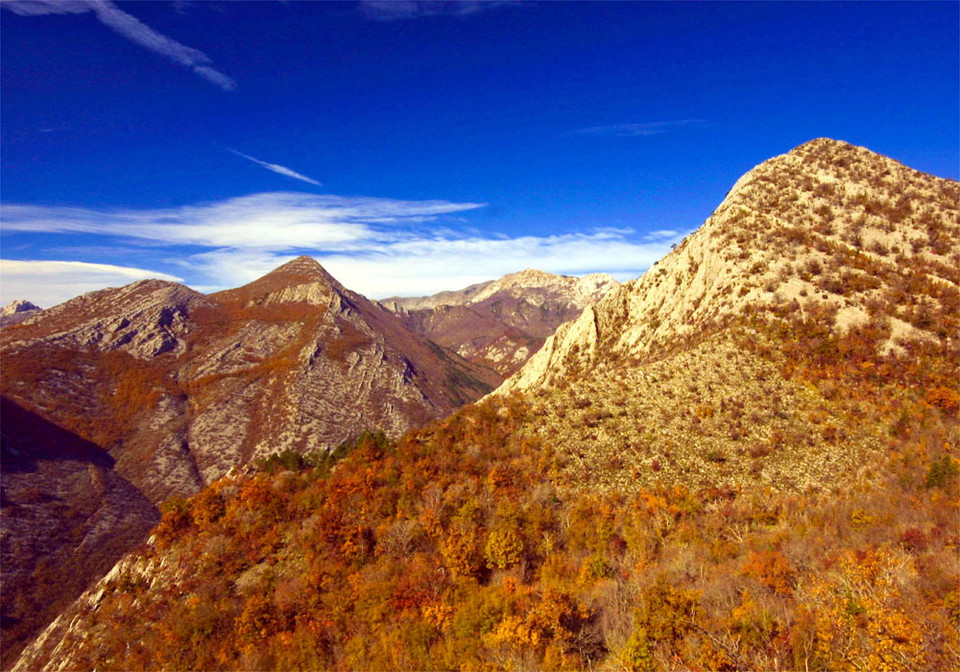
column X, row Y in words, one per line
column 16, row 312
column 501, row 323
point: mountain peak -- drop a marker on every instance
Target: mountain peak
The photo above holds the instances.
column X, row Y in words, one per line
column 17, row 311
column 821, row 143
column 301, row 264
column 500, row 323
column 304, row 269
column 579, row 290
column 18, row 306
column 532, row 273
column 827, row 229
column 300, row 280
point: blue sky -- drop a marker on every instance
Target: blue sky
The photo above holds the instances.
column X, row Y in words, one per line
column 413, row 147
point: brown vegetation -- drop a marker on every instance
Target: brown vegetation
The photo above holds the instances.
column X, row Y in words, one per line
column 464, row 546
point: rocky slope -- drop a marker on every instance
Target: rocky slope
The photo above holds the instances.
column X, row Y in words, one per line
column 829, row 251
column 826, row 227
column 501, row 323
column 169, row 389
column 67, row 517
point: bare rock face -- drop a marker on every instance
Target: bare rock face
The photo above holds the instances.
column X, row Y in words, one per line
column 145, row 319
column 169, row 389
column 344, row 364
column 17, row 311
column 501, row 323
column 826, row 227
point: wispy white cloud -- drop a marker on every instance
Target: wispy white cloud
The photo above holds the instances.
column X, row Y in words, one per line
column 394, row 10
column 41, row 7
column 47, row 283
column 277, row 168
column 426, row 265
column 641, row 129
column 661, row 235
column 378, row 247
column 268, row 221
column 131, row 28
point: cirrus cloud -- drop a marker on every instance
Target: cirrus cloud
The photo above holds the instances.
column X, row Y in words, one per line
column 277, row 168
column 131, row 28
column 643, row 129
column 394, row 10
column 268, row 221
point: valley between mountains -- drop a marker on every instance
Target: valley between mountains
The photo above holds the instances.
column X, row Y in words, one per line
column 745, row 459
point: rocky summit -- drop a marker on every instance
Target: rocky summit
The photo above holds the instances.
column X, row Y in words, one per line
column 831, row 248
column 826, row 228
column 17, row 311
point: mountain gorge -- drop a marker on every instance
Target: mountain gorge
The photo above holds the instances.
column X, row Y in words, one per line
column 743, row 460
column 501, row 323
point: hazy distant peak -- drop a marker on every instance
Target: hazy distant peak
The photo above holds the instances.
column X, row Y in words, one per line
column 529, row 274
column 597, row 282
column 521, row 284
column 501, row 323
column 18, row 306
column 575, row 290
column 17, row 311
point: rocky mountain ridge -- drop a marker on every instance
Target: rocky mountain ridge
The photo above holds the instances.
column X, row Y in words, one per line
column 826, row 226
column 169, row 389
column 501, row 323
column 144, row 319
column 571, row 289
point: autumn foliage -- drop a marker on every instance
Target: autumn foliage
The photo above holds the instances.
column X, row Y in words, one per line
column 461, row 546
